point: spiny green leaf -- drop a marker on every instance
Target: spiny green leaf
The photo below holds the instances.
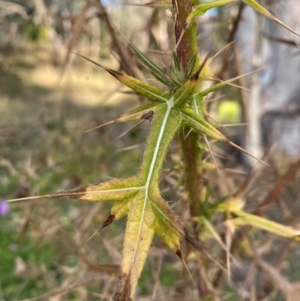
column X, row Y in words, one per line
column 165, row 124
column 241, row 218
column 176, row 62
column 207, row 195
column 167, row 225
column 156, row 71
column 161, row 4
column 141, row 108
column 146, row 218
column 255, row 5
column 218, row 202
column 164, row 4
column 200, row 125
column 197, row 104
column 139, row 113
column 138, row 238
column 114, row 190
column 216, row 87
column 148, row 214
column 213, row 88
column 202, row 8
column 212, row 230
column 191, row 66
column 141, row 88
column 183, row 94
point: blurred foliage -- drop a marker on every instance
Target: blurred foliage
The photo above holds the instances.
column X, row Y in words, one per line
column 36, row 33
column 228, row 112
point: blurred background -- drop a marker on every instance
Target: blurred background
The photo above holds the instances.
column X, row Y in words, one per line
column 49, row 98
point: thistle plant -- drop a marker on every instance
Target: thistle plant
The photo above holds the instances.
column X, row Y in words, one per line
column 176, row 110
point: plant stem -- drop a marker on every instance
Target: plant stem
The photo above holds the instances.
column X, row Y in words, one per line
column 186, row 48
column 184, row 37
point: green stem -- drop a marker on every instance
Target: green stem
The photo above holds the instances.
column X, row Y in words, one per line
column 186, row 48
column 185, row 37
column 191, row 156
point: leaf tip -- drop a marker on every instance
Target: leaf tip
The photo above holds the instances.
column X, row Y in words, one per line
column 111, row 218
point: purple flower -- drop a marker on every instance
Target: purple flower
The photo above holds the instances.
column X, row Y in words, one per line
column 3, row 208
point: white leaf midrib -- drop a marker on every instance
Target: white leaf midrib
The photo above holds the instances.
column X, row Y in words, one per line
column 170, row 104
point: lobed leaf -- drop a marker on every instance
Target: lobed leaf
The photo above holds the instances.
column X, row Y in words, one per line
column 148, row 213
